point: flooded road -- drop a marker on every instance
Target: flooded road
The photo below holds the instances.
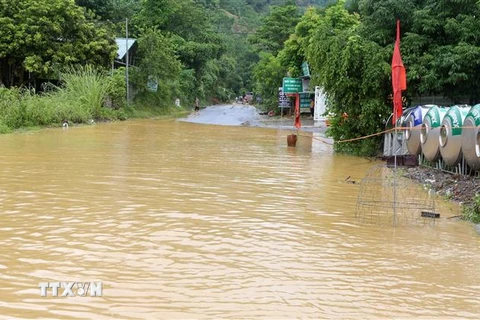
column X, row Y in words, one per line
column 184, row 220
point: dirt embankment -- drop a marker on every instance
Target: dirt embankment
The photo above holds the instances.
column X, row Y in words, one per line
column 455, row 187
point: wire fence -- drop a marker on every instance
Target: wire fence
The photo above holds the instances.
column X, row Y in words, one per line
column 388, row 196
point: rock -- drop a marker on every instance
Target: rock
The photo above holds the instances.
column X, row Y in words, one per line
column 477, row 227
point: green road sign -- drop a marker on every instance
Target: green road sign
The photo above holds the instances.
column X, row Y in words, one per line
column 305, row 69
column 305, row 99
column 292, row 85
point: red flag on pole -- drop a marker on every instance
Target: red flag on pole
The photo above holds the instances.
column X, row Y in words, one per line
column 297, row 121
column 399, row 78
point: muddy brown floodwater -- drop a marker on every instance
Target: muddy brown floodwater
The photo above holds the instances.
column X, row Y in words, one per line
column 186, row 220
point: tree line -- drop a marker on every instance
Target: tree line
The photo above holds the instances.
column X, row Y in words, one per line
column 189, row 47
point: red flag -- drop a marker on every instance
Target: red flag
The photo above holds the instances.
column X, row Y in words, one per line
column 399, row 78
column 297, row 122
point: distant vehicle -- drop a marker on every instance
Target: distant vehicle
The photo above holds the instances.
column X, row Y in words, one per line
column 249, row 97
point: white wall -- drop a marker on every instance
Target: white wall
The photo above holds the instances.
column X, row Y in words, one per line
column 320, row 105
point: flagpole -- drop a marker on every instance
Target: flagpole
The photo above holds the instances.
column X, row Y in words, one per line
column 398, row 85
column 395, row 176
column 126, row 61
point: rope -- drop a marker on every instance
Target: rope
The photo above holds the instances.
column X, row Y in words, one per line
column 366, row 137
column 348, row 140
column 397, row 128
column 382, row 132
column 316, row 138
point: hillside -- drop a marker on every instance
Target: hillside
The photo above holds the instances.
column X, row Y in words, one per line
column 247, row 14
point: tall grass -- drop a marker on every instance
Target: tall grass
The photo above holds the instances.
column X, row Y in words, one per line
column 86, row 88
column 471, row 211
column 12, row 107
column 80, row 98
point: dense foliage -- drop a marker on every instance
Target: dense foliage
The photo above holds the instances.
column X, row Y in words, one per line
column 39, row 37
column 471, row 211
column 354, row 72
column 207, row 37
column 276, row 28
column 440, row 50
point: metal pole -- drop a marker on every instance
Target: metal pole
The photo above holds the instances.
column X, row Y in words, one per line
column 395, row 176
column 126, row 64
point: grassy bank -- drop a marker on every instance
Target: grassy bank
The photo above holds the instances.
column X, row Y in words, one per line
column 86, row 94
column 143, row 112
column 471, row 211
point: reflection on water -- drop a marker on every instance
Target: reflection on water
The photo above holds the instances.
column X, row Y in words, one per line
column 180, row 220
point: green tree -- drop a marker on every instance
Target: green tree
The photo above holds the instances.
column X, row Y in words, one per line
column 379, row 18
column 354, row 73
column 42, row 35
column 268, row 75
column 113, row 10
column 276, row 28
column 293, row 54
column 449, row 65
column 440, row 47
column 351, row 54
column 195, row 41
column 101, row 8
column 159, row 63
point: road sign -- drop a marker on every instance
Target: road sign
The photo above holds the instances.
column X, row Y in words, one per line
column 282, row 99
column 305, row 69
column 292, row 85
column 305, row 98
column 152, row 84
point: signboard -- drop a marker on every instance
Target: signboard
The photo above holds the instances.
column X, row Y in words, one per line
column 292, row 85
column 282, row 99
column 305, row 69
column 305, row 99
column 152, row 84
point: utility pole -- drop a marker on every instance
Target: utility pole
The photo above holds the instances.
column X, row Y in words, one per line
column 126, row 62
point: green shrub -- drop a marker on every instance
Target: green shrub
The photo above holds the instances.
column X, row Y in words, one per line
column 73, row 112
column 4, row 128
column 38, row 111
column 79, row 99
column 85, row 87
column 471, row 211
column 121, row 114
column 117, row 91
column 12, row 107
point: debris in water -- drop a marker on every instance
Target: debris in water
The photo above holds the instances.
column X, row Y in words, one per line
column 429, row 214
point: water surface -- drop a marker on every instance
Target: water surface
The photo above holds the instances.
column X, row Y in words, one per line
column 184, row 220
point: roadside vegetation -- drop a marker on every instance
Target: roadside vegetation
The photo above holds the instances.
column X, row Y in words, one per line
column 80, row 97
column 471, row 211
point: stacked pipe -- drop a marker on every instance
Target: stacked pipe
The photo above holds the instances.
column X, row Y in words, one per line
column 448, row 133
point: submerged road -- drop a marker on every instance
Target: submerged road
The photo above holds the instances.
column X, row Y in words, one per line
column 230, row 115
column 247, row 115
